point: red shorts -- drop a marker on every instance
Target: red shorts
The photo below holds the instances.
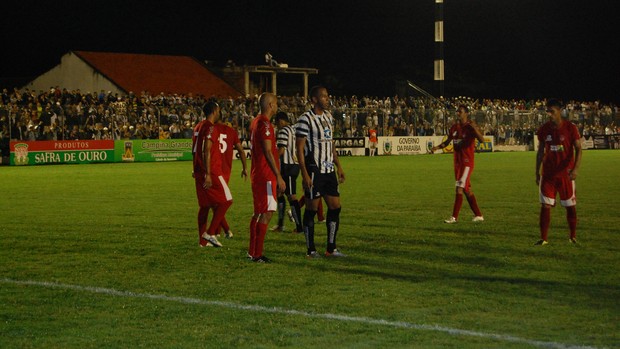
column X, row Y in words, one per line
column 462, row 175
column 217, row 194
column 563, row 185
column 265, row 196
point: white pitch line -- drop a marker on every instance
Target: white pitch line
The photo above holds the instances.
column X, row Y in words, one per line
column 276, row 310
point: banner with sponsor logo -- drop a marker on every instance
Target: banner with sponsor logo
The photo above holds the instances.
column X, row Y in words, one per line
column 61, row 152
column 407, row 145
column 150, row 150
column 351, row 146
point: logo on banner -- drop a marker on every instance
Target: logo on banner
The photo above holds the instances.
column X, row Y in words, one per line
column 387, row 147
column 21, row 154
column 128, row 154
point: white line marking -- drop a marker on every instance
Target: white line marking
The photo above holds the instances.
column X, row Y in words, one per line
column 276, row 310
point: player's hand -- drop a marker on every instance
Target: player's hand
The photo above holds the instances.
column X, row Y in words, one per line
column 341, row 176
column 537, row 179
column 244, row 175
column 307, row 182
column 572, row 174
column 193, row 174
column 281, row 185
column 208, row 182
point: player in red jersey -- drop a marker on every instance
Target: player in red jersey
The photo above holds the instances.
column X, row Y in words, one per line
column 373, row 140
column 463, row 134
column 267, row 182
column 227, row 141
column 559, row 153
column 211, row 188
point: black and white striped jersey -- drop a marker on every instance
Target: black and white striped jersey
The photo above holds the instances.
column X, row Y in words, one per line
column 286, row 139
column 318, row 130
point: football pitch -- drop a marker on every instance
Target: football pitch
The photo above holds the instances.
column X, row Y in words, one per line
column 107, row 255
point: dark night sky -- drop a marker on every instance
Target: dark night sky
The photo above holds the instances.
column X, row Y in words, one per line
column 493, row 48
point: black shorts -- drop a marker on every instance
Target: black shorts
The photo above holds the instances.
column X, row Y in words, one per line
column 322, row 184
column 289, row 173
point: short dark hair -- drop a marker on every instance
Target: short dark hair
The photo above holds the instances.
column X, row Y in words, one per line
column 210, row 107
column 282, row 116
column 314, row 91
column 464, row 107
column 554, row 102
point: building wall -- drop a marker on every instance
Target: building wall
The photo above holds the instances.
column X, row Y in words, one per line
column 73, row 73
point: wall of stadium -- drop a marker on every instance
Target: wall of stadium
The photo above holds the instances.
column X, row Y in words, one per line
column 91, row 151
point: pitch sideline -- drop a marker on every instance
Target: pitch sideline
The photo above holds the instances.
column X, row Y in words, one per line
column 276, row 310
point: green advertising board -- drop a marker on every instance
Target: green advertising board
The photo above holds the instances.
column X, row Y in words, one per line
column 61, row 152
column 149, row 150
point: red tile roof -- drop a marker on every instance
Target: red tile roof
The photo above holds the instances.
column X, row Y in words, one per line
column 155, row 73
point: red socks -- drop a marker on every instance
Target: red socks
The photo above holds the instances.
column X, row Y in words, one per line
column 257, row 237
column 471, row 199
column 458, row 202
column 571, row 217
column 545, row 220
column 218, row 214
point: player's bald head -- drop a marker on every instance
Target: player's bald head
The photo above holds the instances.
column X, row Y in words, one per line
column 264, row 101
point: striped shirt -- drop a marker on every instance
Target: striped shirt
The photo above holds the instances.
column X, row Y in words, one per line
column 318, row 130
column 286, row 139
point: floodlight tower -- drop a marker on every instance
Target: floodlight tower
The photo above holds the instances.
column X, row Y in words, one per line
column 439, row 76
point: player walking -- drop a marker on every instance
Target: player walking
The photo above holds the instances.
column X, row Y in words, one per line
column 211, row 188
column 559, row 153
column 267, row 183
column 318, row 162
column 463, row 135
column 227, row 141
column 289, row 167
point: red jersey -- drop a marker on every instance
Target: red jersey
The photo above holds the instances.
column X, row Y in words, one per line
column 227, row 140
column 261, row 130
column 198, row 147
column 463, row 138
column 205, row 130
column 559, row 143
column 372, row 135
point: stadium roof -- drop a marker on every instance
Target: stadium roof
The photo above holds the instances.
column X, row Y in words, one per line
column 157, row 73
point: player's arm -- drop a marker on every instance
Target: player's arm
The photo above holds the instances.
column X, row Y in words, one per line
column 573, row 173
column 300, row 143
column 442, row 144
column 339, row 169
column 206, row 156
column 241, row 152
column 539, row 159
column 477, row 132
column 271, row 162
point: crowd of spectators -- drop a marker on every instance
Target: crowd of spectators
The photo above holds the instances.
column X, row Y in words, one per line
column 61, row 114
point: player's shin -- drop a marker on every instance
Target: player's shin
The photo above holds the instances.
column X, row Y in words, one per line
column 471, row 199
column 309, row 229
column 545, row 220
column 296, row 210
column 458, row 202
column 333, row 223
column 281, row 207
column 571, row 217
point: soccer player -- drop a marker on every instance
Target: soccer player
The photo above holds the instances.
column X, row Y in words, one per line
column 211, row 188
column 227, row 141
column 267, row 183
column 319, row 163
column 289, row 168
column 373, row 139
column 559, row 153
column 463, row 135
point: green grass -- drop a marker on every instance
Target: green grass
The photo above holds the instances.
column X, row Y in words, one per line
column 131, row 228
